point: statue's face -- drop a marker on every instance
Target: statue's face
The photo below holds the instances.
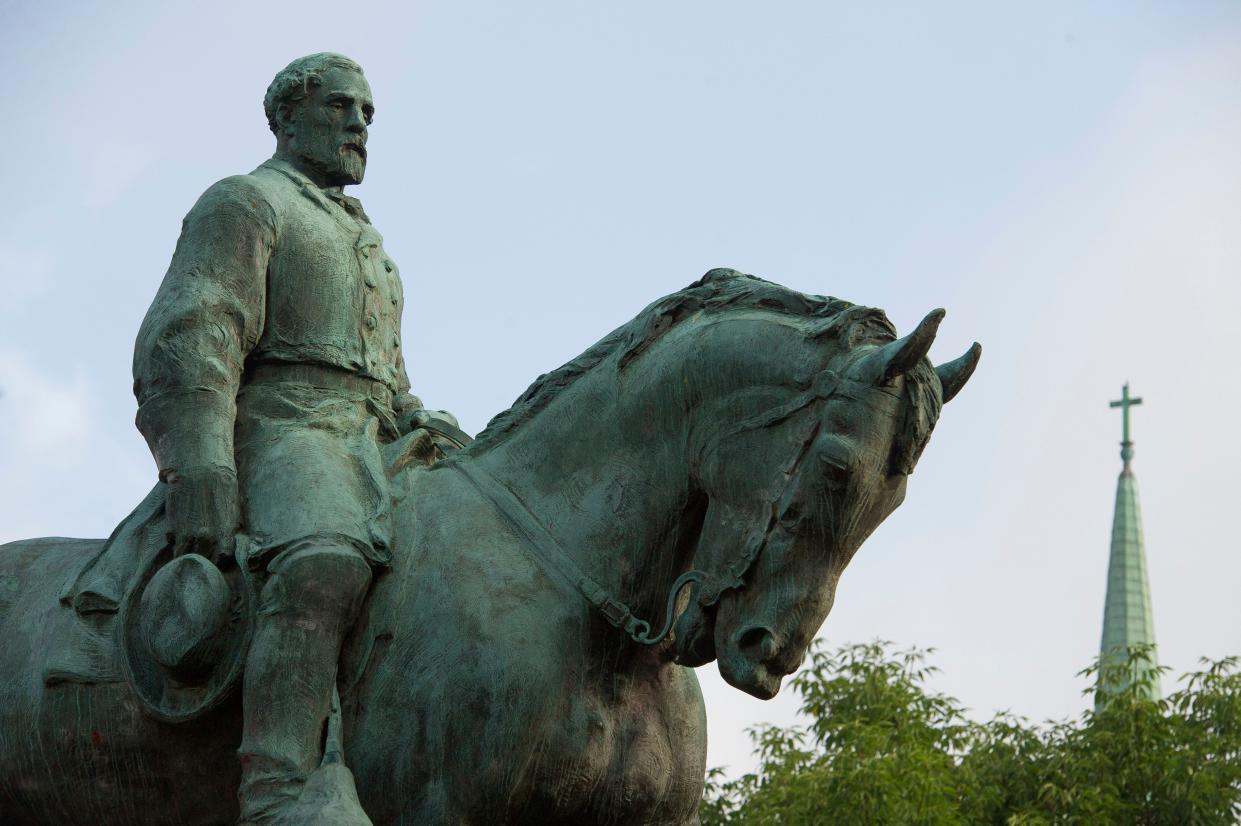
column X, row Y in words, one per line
column 329, row 127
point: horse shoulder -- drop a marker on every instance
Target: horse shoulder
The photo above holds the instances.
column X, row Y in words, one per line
column 660, row 760
column 632, row 742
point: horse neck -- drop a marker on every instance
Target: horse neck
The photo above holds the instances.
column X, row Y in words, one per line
column 607, row 474
column 606, row 466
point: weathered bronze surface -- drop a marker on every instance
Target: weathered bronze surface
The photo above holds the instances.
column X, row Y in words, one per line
column 491, row 632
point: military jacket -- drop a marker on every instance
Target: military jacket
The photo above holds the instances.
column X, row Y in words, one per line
column 268, row 269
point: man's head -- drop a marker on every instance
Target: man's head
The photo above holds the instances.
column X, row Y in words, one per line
column 319, row 107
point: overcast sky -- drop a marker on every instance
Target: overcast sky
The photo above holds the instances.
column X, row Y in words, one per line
column 1064, row 178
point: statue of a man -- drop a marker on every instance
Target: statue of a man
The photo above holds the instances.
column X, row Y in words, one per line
column 268, row 372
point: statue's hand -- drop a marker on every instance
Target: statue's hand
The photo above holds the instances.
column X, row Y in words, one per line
column 415, row 418
column 204, row 511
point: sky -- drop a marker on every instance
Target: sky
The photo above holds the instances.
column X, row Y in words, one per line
column 1064, row 178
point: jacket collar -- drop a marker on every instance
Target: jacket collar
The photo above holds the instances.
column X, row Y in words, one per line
column 323, row 198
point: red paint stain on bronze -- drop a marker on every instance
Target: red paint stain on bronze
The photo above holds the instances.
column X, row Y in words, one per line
column 96, row 738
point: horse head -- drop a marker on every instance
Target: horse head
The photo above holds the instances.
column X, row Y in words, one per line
column 737, row 435
column 793, row 488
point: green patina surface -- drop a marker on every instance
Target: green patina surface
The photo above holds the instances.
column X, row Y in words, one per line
column 1127, row 617
column 324, row 569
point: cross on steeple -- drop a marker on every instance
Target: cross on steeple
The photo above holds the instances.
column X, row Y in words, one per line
column 1124, row 403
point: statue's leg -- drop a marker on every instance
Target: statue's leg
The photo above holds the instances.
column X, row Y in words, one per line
column 306, row 607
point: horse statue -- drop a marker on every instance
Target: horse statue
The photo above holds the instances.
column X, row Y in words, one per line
column 689, row 489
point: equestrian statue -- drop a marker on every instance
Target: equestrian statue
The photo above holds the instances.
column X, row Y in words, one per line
column 335, row 608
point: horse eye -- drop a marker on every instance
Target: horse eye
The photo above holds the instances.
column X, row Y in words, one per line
column 791, row 517
column 835, row 469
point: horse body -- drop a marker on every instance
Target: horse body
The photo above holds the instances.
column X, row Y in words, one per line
column 468, row 711
column 735, row 427
column 529, row 706
column 85, row 753
column 509, row 702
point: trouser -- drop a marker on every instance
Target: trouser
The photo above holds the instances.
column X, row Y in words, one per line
column 307, row 605
column 317, row 523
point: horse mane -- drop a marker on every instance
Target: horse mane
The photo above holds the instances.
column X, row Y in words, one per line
column 726, row 289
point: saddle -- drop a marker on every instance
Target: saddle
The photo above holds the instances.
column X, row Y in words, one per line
column 119, row 580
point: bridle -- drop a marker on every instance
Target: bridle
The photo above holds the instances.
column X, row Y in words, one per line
column 821, row 389
column 548, row 552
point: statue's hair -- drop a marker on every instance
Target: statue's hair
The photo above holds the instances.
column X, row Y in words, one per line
column 293, row 82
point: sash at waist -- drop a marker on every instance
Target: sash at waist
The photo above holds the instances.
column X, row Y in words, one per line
column 317, row 375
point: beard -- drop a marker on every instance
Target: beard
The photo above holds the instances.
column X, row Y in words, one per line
column 352, row 163
column 340, row 161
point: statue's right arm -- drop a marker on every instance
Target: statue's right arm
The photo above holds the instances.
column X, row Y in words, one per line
column 206, row 317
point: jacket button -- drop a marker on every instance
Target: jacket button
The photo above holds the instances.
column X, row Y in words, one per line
column 388, row 265
column 370, row 282
column 371, row 323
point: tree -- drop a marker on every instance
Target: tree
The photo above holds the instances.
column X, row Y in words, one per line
column 880, row 748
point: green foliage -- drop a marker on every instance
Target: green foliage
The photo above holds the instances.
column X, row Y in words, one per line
column 880, row 748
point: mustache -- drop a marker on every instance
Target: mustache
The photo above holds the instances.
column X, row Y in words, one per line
column 355, row 146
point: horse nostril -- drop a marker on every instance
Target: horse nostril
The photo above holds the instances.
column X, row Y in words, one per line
column 757, row 643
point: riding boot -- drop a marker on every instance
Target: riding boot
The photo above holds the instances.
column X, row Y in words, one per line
column 306, row 607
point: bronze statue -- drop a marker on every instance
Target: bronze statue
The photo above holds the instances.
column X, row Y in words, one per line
column 509, row 625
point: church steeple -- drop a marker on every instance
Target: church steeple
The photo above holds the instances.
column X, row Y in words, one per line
column 1127, row 617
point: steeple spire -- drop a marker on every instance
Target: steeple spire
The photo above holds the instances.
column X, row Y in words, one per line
column 1127, row 616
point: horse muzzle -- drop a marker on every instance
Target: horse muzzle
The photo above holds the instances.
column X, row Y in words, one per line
column 752, row 660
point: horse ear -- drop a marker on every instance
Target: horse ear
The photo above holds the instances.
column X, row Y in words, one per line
column 954, row 374
column 902, row 355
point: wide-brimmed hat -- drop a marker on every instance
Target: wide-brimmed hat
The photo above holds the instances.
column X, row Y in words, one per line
column 185, row 627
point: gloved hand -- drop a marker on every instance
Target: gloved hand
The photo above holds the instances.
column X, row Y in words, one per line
column 413, row 418
column 204, row 511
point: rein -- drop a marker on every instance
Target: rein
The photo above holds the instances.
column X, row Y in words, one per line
column 547, row 551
